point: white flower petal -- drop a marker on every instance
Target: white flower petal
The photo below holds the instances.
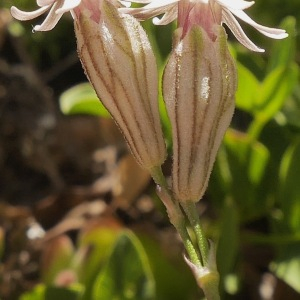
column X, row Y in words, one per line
column 150, row 10
column 68, row 5
column 51, row 19
column 42, row 3
column 139, row 1
column 125, row 3
column 237, row 4
column 273, row 33
column 25, row 16
column 238, row 32
column 163, row 5
column 167, row 18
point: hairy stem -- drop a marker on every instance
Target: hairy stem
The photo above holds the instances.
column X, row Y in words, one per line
column 193, row 217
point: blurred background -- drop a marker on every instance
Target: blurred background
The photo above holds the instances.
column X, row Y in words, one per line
column 79, row 219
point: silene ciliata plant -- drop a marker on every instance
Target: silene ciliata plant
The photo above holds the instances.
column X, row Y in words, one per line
column 199, row 85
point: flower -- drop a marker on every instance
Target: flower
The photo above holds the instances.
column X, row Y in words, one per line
column 56, row 10
column 116, row 55
column 208, row 12
column 118, row 60
column 199, row 84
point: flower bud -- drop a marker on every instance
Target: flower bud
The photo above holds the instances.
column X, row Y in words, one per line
column 119, row 62
column 199, row 84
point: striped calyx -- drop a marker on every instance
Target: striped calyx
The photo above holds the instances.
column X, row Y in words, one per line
column 199, row 85
column 119, row 62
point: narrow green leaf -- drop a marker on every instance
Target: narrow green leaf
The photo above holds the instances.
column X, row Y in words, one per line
column 291, row 111
column 283, row 53
column 82, row 99
column 247, row 161
column 275, row 90
column 248, row 89
column 289, row 187
column 166, row 124
column 229, row 239
column 220, row 183
column 127, row 274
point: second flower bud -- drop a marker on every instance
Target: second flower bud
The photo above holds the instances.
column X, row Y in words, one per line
column 199, row 85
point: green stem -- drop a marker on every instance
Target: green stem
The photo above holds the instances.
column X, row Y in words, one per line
column 210, row 286
column 158, row 177
column 193, row 217
column 205, row 271
column 207, row 276
column 188, row 244
column 177, row 218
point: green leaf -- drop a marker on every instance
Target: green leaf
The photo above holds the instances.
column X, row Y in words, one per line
column 250, row 156
column 166, row 124
column 165, row 263
column 127, row 274
column 95, row 244
column 82, row 99
column 248, row 89
column 228, row 244
column 275, row 90
column 42, row 292
column 38, row 293
column 287, row 265
column 264, row 100
column 291, row 111
column 59, row 293
column 283, row 53
column 247, row 161
column 289, row 187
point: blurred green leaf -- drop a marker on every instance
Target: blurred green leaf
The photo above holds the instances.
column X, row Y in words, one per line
column 38, row 293
column 248, row 89
column 59, row 293
column 246, row 162
column 228, row 244
column 95, row 246
column 166, row 124
column 252, row 156
column 287, row 265
column 169, row 269
column 127, row 274
column 291, row 111
column 264, row 100
column 275, row 90
column 16, row 29
column 82, row 99
column 289, row 187
column 43, row 292
column 283, row 53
